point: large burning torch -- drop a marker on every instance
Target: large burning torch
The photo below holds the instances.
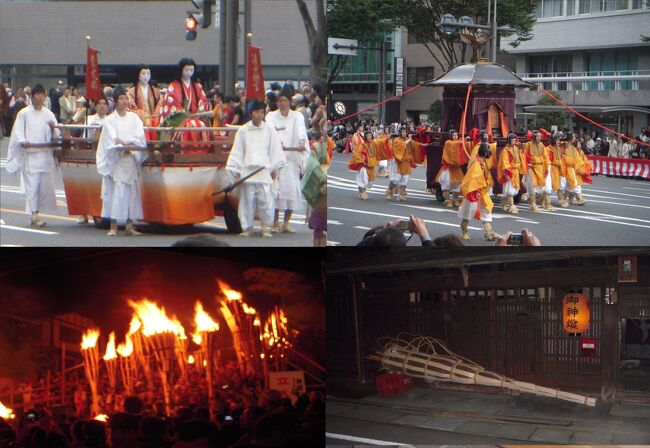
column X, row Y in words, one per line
column 204, row 335
column 128, row 364
column 90, row 354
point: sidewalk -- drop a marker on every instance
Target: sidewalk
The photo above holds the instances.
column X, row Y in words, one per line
column 523, row 418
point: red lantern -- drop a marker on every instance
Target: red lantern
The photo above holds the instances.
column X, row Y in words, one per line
column 575, row 313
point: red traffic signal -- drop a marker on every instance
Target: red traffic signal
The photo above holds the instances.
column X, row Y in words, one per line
column 190, row 24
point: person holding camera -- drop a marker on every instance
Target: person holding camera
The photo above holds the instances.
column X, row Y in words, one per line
column 391, row 234
column 475, row 190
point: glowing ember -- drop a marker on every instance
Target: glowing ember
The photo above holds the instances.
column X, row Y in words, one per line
column 110, row 348
column 230, row 294
column 5, row 412
column 190, row 360
column 125, row 349
column 205, row 363
column 89, row 339
column 101, row 418
column 257, row 322
column 154, row 319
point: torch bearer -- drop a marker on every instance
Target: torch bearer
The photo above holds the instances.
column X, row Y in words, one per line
column 232, row 315
column 110, row 359
column 90, row 354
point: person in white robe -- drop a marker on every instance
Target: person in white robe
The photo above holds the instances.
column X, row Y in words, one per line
column 121, row 167
column 27, row 154
column 97, row 119
column 290, row 126
column 257, row 145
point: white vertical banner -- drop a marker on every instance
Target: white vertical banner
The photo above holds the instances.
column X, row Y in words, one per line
column 399, row 76
column 216, row 13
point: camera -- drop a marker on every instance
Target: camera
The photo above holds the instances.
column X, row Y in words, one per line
column 228, row 418
column 404, row 225
column 515, row 239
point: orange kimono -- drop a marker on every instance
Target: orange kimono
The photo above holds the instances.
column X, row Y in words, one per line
column 491, row 162
column 584, row 170
column 406, row 155
column 509, row 166
column 476, row 183
column 454, row 155
column 537, row 160
column 366, row 155
column 558, row 168
column 573, row 163
column 148, row 109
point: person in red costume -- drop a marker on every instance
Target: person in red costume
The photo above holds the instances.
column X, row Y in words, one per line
column 184, row 97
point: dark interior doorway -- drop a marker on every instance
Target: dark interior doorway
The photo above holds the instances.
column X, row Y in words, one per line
column 634, row 365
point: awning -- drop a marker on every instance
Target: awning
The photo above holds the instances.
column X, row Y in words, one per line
column 588, row 109
column 480, row 73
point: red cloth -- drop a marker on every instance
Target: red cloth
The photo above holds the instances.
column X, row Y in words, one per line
column 93, row 84
column 474, row 196
column 254, row 74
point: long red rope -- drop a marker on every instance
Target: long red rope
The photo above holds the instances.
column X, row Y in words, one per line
column 546, row 92
column 378, row 104
column 462, row 124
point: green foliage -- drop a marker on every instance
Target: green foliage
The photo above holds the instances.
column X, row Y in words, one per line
column 435, row 111
column 547, row 119
column 355, row 19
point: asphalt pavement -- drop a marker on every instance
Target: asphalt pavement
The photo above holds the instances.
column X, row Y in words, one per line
column 617, row 212
column 62, row 230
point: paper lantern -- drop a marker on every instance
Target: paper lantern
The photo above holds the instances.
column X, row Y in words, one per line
column 575, row 313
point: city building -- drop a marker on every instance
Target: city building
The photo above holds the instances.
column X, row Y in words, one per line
column 592, row 53
column 44, row 41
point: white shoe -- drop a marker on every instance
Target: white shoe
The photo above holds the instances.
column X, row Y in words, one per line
column 83, row 219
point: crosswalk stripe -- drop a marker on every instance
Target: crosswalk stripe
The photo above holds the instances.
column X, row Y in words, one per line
column 28, row 230
column 385, row 215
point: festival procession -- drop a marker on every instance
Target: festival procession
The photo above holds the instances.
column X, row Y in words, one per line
column 179, row 348
column 192, row 153
column 460, row 143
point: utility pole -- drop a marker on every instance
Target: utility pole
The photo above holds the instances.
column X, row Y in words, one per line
column 222, row 44
column 248, row 27
column 232, row 16
column 382, row 79
column 494, row 33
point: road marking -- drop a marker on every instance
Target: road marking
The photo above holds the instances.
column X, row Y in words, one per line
column 364, row 440
column 455, row 211
column 19, row 212
column 25, row 229
column 647, row 190
column 621, row 194
column 333, row 243
column 397, row 216
column 362, row 228
column 334, row 223
column 16, row 190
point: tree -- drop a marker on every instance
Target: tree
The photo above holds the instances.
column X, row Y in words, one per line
column 316, row 34
column 352, row 19
column 547, row 119
column 421, row 17
column 435, row 111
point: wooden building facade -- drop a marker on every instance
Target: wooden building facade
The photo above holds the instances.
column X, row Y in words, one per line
column 501, row 309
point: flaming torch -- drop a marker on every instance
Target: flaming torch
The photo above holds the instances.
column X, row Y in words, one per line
column 138, row 349
column 127, row 363
column 90, row 353
column 230, row 308
column 110, row 359
column 277, row 337
column 162, row 335
column 204, row 336
column 5, row 412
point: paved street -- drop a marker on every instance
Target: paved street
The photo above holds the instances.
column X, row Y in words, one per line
column 617, row 212
column 63, row 230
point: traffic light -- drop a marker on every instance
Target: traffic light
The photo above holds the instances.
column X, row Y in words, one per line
column 190, row 28
column 204, row 17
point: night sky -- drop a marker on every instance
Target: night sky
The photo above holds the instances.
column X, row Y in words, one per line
column 97, row 282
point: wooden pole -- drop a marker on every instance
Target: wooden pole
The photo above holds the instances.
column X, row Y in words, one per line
column 62, row 373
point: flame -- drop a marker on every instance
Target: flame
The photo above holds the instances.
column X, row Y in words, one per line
column 135, row 325
column 125, row 350
column 101, row 418
column 155, row 321
column 190, row 360
column 203, row 320
column 248, row 309
column 205, row 363
column 196, row 337
column 89, row 339
column 5, row 412
column 257, row 322
column 230, row 294
column 110, row 348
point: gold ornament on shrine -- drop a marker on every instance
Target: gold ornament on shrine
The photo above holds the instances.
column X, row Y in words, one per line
column 575, row 312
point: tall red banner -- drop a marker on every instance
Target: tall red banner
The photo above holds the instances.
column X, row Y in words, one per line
column 93, row 84
column 254, row 75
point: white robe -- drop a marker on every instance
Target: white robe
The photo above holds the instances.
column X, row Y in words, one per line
column 121, row 185
column 35, row 164
column 291, row 130
column 255, row 147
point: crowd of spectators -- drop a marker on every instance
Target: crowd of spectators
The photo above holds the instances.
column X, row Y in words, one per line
column 246, row 415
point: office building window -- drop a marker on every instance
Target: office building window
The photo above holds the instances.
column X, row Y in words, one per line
column 548, row 8
column 548, row 65
column 569, row 7
column 623, row 63
column 592, row 6
column 416, row 75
